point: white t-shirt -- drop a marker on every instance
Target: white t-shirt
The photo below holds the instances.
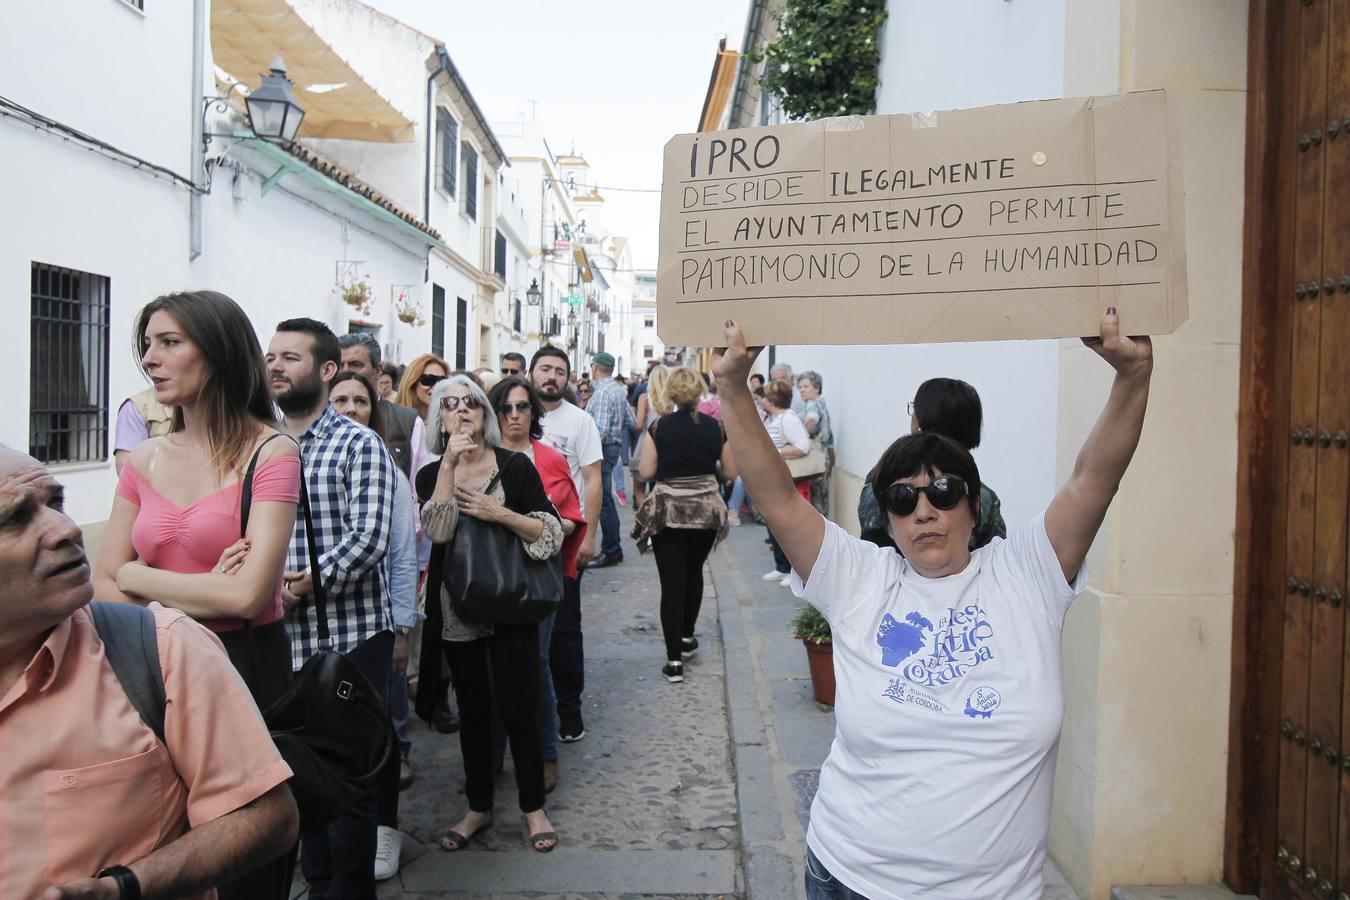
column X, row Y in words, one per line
column 573, row 433
column 786, row 429
column 947, row 710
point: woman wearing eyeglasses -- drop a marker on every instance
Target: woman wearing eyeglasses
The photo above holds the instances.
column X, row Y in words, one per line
column 494, row 667
column 947, row 660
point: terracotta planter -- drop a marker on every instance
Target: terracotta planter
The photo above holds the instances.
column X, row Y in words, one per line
column 820, row 659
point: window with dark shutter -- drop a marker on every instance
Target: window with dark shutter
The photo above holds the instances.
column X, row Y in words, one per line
column 470, row 180
column 447, row 134
column 438, row 320
column 68, row 366
column 461, row 332
column 499, row 255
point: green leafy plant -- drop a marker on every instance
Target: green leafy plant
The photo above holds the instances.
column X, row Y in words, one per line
column 824, row 61
column 809, row 625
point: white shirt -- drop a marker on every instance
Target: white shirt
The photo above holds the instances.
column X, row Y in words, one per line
column 785, row 429
column 948, row 711
column 573, row 433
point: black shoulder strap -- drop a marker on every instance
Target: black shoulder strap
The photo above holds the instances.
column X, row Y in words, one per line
column 129, row 641
column 246, row 498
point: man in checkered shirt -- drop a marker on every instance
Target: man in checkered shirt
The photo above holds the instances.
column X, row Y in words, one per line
column 350, row 479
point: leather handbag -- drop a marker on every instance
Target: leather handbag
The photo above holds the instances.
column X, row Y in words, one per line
column 810, row 465
column 490, row 578
column 330, row 725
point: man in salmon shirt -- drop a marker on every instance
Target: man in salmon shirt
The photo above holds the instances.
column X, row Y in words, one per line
column 95, row 805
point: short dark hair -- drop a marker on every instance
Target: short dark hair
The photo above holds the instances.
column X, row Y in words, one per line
column 928, row 451
column 551, row 351
column 950, row 407
column 515, row 358
column 760, row 377
column 326, row 348
column 363, row 339
column 503, row 389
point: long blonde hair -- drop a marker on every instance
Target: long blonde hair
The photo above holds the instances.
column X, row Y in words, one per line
column 407, row 388
column 658, row 398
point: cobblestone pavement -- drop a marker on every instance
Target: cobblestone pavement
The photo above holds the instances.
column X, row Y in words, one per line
column 646, row 802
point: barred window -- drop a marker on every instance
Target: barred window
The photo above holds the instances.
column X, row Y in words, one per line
column 68, row 366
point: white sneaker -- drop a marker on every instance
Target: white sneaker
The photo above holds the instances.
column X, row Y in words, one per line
column 775, row 575
column 388, row 846
column 787, row 582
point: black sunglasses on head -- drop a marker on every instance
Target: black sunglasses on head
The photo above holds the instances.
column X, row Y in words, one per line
column 430, row 380
column 943, row 492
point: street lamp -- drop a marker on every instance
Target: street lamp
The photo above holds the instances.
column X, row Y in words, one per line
column 272, row 110
column 534, row 296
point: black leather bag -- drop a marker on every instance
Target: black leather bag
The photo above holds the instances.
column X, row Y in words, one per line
column 330, row 725
column 490, row 578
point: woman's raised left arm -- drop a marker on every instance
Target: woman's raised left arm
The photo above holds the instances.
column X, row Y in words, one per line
column 1080, row 506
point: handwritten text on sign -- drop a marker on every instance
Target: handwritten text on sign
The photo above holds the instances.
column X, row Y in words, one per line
column 1021, row 200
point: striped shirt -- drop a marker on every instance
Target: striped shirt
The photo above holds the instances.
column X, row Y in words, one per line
column 350, row 479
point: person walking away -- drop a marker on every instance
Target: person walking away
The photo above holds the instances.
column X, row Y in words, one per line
column 352, row 396
column 949, row 407
column 491, row 664
column 174, row 533
column 350, row 478
column 613, row 417
column 684, row 515
column 816, row 417
column 573, row 434
column 915, row 739
column 788, row 435
column 361, row 354
column 520, row 415
column 652, row 403
column 139, row 418
column 137, row 814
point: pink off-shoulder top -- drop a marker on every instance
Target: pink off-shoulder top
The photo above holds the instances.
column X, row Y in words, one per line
column 189, row 539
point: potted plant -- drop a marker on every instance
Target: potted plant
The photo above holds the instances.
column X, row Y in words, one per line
column 810, row 627
column 408, row 310
column 356, row 292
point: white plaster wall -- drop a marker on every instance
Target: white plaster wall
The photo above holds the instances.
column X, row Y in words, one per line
column 947, row 56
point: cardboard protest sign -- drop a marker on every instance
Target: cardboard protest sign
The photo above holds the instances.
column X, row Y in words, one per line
column 1024, row 220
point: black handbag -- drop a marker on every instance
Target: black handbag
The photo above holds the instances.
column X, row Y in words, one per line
column 330, row 725
column 490, row 577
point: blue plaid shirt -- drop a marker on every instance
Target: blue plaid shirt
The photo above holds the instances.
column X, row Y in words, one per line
column 611, row 412
column 350, row 479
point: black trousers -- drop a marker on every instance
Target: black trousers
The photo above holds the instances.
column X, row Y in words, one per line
column 566, row 656
column 504, row 667
column 680, row 555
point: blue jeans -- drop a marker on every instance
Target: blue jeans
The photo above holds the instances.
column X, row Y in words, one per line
column 339, row 861
column 821, row 885
column 610, row 539
column 738, row 496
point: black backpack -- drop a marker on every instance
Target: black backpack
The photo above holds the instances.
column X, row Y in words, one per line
column 129, row 642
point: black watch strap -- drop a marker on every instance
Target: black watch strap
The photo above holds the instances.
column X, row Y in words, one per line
column 127, row 883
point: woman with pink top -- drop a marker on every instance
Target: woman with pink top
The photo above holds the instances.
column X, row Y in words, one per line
column 174, row 536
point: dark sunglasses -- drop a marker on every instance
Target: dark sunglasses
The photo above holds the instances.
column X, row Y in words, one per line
column 429, row 380
column 452, row 402
column 509, row 372
column 943, row 492
column 521, row 407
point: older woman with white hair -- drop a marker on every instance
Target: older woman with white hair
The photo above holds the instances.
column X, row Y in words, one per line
column 476, row 477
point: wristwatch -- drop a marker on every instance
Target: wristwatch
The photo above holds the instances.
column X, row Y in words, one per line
column 128, row 886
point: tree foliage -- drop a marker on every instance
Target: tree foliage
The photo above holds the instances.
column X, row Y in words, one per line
column 824, row 61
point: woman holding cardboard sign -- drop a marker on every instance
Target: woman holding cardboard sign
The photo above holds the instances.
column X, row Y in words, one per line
column 947, row 660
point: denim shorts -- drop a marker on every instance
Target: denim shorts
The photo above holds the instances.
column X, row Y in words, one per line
column 821, row 885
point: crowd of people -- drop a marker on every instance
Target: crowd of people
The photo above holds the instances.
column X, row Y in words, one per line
column 430, row 529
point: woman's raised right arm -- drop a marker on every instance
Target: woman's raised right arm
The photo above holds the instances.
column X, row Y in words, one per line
column 796, row 525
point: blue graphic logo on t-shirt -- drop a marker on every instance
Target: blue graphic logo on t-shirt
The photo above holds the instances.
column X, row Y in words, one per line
column 959, row 643
column 901, row 640
column 982, row 702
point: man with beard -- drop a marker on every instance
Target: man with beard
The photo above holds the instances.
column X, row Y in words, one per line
column 350, row 480
column 573, row 433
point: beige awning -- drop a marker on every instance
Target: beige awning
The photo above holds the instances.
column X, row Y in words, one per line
column 247, row 34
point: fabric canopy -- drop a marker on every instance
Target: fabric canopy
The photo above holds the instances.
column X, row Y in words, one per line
column 247, row 34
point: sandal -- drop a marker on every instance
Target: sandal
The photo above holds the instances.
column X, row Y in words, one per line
column 452, row 841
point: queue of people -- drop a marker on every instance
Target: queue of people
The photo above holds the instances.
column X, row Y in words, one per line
column 317, row 470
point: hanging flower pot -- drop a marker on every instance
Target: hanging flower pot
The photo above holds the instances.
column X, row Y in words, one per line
column 408, row 310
